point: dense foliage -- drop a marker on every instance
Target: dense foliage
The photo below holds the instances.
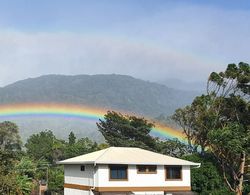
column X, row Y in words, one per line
column 219, row 122
column 207, row 178
column 12, row 181
column 131, row 131
column 9, row 136
column 21, row 171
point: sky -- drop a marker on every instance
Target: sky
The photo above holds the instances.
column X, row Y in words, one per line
column 152, row 40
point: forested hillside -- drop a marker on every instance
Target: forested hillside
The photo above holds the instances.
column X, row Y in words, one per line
column 110, row 92
column 106, row 91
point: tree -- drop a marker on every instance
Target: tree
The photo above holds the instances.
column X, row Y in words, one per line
column 184, row 117
column 130, row 131
column 80, row 147
column 72, row 138
column 7, row 175
column 9, row 143
column 26, row 166
column 230, row 138
column 172, row 148
column 9, row 136
column 12, row 181
column 24, row 184
column 7, row 180
column 207, row 178
column 56, row 179
column 45, row 145
column 220, row 122
column 234, row 80
column 197, row 120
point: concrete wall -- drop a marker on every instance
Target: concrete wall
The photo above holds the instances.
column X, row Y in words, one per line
column 74, row 175
column 149, row 193
column 117, row 193
column 141, row 180
column 132, row 193
column 68, row 191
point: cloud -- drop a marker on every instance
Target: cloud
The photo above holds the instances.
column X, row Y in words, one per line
column 31, row 54
column 186, row 42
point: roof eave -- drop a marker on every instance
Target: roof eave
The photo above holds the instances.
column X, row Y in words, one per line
column 125, row 163
column 75, row 162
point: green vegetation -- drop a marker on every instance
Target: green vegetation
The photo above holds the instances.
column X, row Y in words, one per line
column 219, row 123
column 207, row 178
column 12, row 181
column 216, row 124
column 114, row 91
column 9, row 136
column 130, row 131
column 22, row 170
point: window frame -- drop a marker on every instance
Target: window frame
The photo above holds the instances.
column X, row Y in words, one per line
column 147, row 169
column 82, row 168
column 173, row 179
column 117, row 179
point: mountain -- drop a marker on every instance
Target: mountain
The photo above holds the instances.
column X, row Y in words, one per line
column 112, row 92
column 107, row 91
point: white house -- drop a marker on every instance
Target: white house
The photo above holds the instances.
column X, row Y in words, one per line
column 125, row 170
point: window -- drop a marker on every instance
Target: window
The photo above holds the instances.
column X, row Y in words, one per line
column 118, row 172
column 144, row 169
column 82, row 168
column 173, row 172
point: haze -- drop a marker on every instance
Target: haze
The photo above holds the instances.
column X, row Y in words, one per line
column 149, row 39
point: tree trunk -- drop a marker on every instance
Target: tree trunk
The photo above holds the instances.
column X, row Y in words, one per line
column 242, row 165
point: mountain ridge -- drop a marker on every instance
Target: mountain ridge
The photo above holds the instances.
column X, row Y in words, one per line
column 111, row 92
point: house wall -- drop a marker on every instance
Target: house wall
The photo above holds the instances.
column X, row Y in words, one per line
column 74, row 175
column 79, row 182
column 132, row 193
column 69, row 191
column 142, row 180
column 149, row 193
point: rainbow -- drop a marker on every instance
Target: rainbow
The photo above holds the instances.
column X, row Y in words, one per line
column 73, row 111
column 168, row 132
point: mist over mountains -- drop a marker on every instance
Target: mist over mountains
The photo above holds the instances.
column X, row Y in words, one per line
column 111, row 92
column 197, row 86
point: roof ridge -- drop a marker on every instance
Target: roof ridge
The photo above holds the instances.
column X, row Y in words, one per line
column 107, row 149
column 163, row 154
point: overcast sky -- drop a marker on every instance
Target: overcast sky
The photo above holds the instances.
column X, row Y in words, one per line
column 148, row 39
